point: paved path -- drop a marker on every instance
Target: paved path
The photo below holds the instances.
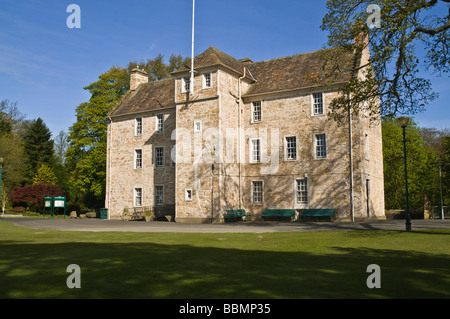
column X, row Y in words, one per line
column 99, row 225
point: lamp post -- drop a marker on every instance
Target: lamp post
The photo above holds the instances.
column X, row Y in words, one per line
column 1, row 167
column 403, row 122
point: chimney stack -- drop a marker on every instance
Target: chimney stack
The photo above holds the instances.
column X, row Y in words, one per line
column 137, row 77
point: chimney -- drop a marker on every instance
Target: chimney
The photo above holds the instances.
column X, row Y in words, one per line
column 246, row 61
column 137, row 77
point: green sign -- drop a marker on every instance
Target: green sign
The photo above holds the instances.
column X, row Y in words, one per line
column 54, row 202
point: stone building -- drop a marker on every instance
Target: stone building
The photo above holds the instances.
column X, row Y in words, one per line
column 244, row 134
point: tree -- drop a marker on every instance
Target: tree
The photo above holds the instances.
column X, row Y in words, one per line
column 32, row 196
column 157, row 69
column 61, row 146
column 86, row 154
column 45, row 175
column 421, row 163
column 38, row 148
column 392, row 71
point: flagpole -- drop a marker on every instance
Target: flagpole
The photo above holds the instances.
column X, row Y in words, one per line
column 191, row 86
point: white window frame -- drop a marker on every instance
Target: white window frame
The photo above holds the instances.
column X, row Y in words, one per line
column 156, row 156
column 137, row 190
column 205, row 81
column 313, row 104
column 185, row 84
column 252, row 150
column 196, row 129
column 286, row 148
column 316, row 155
column 157, row 202
column 254, row 193
column 136, row 158
column 254, row 105
column 159, row 124
column 297, row 191
column 138, row 126
column 188, row 194
column 173, row 156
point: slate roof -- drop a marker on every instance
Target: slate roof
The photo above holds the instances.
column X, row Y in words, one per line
column 270, row 76
column 214, row 57
column 295, row 72
column 148, row 96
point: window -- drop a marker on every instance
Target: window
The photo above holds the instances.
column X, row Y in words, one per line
column 159, row 156
column 173, row 156
column 317, row 103
column 197, row 126
column 188, row 194
column 257, row 190
column 138, row 197
column 186, row 85
column 256, row 112
column 137, row 158
column 160, row 123
column 207, row 80
column 159, row 195
column 321, row 146
column 291, row 148
column 138, row 126
column 302, row 191
column 255, row 152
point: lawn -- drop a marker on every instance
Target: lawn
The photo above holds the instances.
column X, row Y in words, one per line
column 33, row 264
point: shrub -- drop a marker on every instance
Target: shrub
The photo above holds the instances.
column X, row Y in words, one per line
column 33, row 196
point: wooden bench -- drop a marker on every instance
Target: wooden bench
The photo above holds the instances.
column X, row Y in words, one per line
column 317, row 213
column 235, row 214
column 278, row 213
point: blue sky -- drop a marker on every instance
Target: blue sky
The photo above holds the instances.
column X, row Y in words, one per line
column 44, row 65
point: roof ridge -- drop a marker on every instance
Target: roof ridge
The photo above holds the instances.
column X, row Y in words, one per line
column 292, row 55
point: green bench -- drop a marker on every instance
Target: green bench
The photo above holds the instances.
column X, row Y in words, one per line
column 278, row 213
column 235, row 214
column 318, row 212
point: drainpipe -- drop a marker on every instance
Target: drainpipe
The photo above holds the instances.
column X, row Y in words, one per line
column 109, row 166
column 239, row 138
column 351, row 156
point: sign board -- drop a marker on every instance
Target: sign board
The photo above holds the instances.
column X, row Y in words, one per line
column 53, row 202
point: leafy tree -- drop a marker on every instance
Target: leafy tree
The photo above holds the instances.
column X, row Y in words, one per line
column 13, row 167
column 45, row 175
column 86, row 154
column 421, row 164
column 38, row 148
column 157, row 69
column 392, row 71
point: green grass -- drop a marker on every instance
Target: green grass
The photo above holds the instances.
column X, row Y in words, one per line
column 33, row 264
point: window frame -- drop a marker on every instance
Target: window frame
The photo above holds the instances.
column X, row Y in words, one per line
column 157, row 203
column 316, row 146
column 138, row 126
column 156, row 156
column 159, row 123
column 185, row 84
column 186, row 197
column 313, row 104
column 252, row 159
column 205, row 80
column 259, row 105
column 297, row 191
column 195, row 126
column 286, row 148
column 136, row 158
column 135, row 200
column 254, row 192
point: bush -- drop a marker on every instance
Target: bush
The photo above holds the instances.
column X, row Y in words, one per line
column 33, row 196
